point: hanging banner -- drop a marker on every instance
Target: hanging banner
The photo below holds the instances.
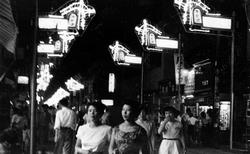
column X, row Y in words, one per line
column 189, row 82
column 179, row 66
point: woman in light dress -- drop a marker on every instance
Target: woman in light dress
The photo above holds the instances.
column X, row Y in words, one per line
column 129, row 137
column 148, row 126
column 93, row 137
column 172, row 132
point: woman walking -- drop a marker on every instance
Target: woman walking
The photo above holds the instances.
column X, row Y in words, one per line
column 93, row 137
column 172, row 132
column 129, row 137
column 148, row 125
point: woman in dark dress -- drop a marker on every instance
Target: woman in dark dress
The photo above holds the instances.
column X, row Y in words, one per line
column 129, row 137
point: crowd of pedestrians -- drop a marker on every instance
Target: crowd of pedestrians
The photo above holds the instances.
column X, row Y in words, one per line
column 135, row 134
column 92, row 130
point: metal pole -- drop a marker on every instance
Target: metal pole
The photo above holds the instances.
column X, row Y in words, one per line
column 142, row 77
column 33, row 87
column 232, row 82
column 179, row 70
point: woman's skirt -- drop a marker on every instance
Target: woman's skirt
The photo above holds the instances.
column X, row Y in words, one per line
column 172, row 146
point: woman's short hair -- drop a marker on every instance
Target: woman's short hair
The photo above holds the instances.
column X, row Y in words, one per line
column 98, row 106
column 172, row 110
column 134, row 106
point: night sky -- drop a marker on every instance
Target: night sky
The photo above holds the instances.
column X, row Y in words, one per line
column 115, row 20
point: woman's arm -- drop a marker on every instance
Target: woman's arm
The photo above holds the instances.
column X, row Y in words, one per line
column 162, row 126
column 78, row 149
column 182, row 141
column 112, row 142
column 78, row 146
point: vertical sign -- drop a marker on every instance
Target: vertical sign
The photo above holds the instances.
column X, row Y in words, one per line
column 179, row 65
column 111, row 82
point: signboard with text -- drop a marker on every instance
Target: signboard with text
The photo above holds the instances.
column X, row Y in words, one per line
column 203, row 77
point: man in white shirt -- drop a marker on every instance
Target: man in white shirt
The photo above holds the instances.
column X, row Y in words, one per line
column 65, row 125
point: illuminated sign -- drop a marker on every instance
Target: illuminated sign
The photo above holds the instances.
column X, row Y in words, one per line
column 78, row 14
column 45, row 48
column 111, row 82
column 66, row 39
column 22, row 80
column 122, row 56
column 53, row 22
column 216, row 22
column 196, row 16
column 189, row 82
column 133, row 59
column 57, row 96
column 59, row 44
column 43, row 76
column 165, row 42
column 55, row 55
column 73, row 19
column 73, row 85
column 147, row 33
column 108, row 102
column 152, row 38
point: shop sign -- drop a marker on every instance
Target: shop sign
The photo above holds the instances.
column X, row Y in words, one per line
column 203, row 77
column 151, row 38
column 122, row 56
column 196, row 16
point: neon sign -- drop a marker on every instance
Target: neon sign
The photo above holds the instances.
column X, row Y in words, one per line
column 53, row 22
column 57, row 96
column 197, row 15
column 151, row 38
column 44, row 76
column 111, row 82
column 73, row 85
column 71, row 22
column 78, row 14
column 122, row 56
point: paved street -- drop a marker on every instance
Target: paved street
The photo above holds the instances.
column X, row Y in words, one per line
column 212, row 151
column 203, row 151
column 197, row 150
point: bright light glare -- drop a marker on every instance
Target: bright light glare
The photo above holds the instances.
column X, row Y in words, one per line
column 217, row 22
column 45, row 48
column 166, row 43
column 107, row 102
column 57, row 96
column 22, row 80
column 190, row 96
column 43, row 77
column 53, row 23
column 133, row 60
column 73, row 85
column 55, row 55
column 225, row 102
